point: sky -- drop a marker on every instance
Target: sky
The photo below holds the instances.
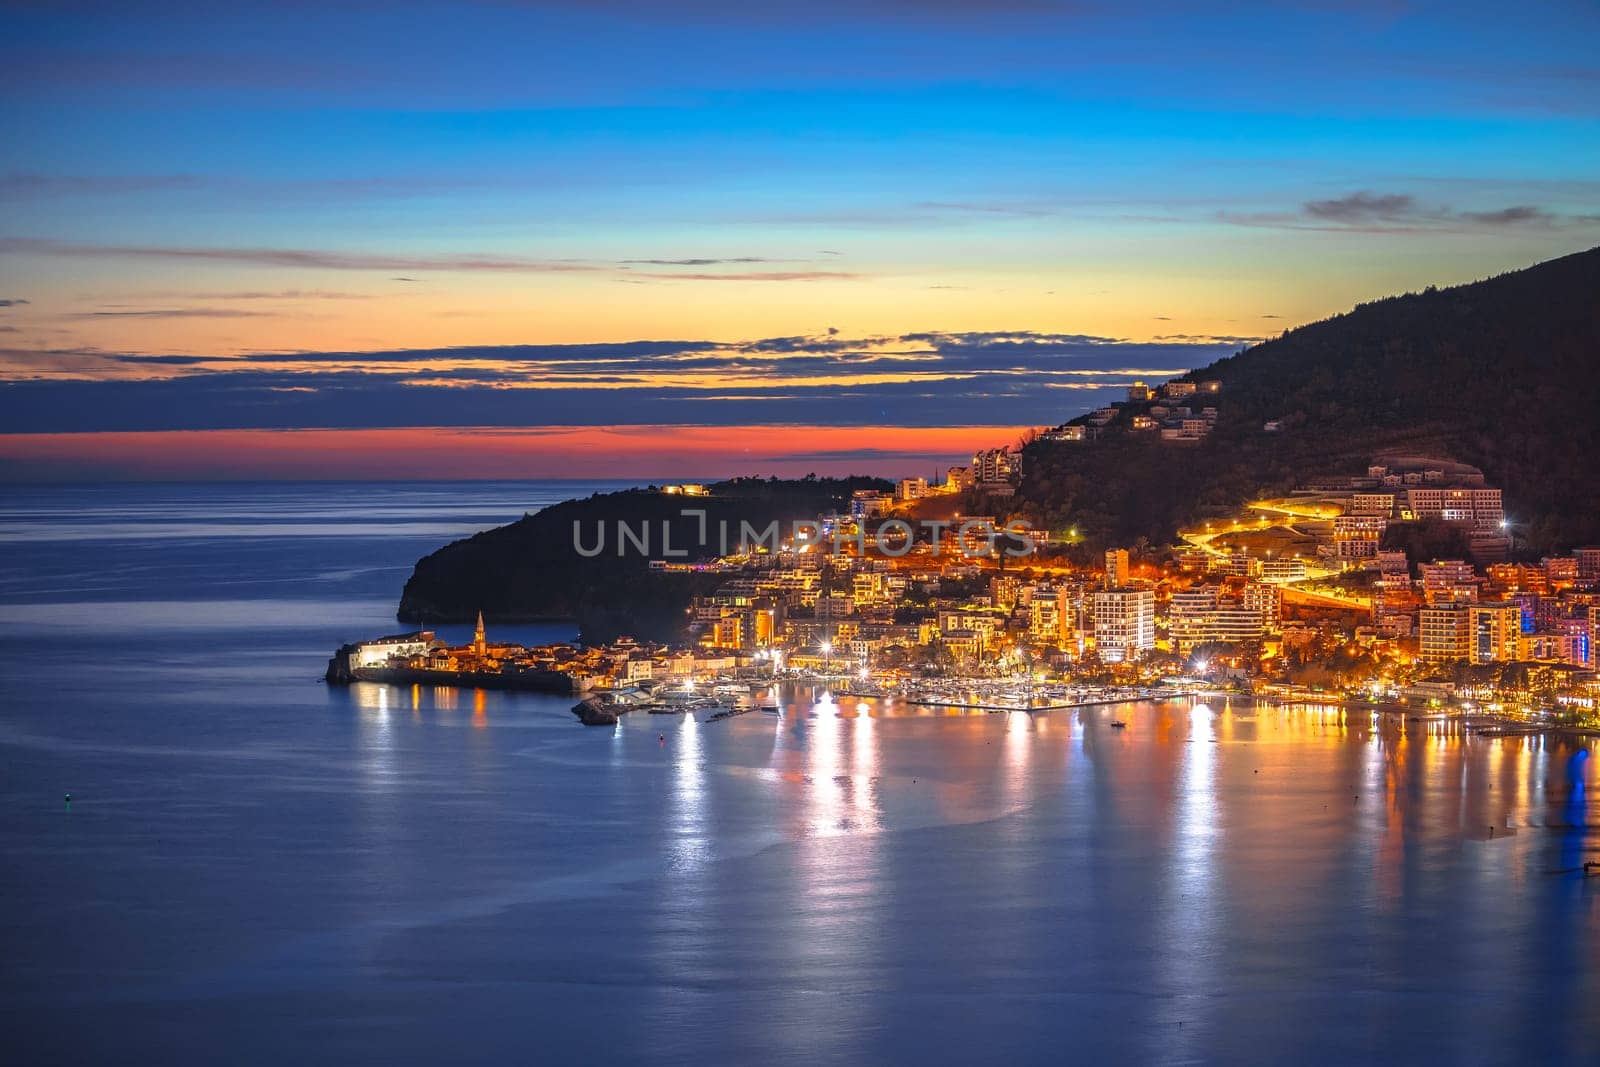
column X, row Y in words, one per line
column 614, row 238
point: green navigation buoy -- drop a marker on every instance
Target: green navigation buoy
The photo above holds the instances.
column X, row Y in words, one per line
column 68, row 799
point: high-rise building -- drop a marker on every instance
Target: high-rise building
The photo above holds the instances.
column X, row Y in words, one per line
column 1493, row 632
column 1188, row 616
column 1050, row 616
column 1124, row 623
column 1267, row 600
column 1443, row 634
column 1117, row 573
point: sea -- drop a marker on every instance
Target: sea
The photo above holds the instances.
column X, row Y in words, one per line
column 255, row 867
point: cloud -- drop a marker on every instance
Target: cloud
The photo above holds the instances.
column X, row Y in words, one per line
column 1361, row 207
column 1209, row 338
column 1520, row 214
column 924, row 379
column 12, row 302
column 1368, row 212
column 292, row 257
column 278, row 294
column 761, row 276
column 701, row 262
column 170, row 313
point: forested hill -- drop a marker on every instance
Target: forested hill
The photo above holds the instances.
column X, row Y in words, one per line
column 532, row 568
column 1503, row 374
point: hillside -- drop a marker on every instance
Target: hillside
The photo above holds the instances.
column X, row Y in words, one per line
column 1503, row 374
column 530, row 569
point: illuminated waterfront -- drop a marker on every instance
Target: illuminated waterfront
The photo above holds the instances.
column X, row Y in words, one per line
column 432, row 873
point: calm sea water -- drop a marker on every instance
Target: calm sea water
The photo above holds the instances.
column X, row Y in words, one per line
column 258, row 868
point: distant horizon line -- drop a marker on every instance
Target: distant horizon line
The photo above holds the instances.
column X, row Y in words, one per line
column 621, row 454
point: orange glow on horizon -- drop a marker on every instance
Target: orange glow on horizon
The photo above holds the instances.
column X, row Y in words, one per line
column 621, row 452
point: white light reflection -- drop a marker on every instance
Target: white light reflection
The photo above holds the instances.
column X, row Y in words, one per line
column 378, row 801
column 1192, row 908
column 834, row 925
column 866, row 814
column 1018, row 754
column 689, row 850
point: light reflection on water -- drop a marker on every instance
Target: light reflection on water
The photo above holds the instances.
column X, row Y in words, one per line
column 1223, row 840
column 257, row 863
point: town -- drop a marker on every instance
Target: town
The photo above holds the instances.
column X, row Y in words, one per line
column 1392, row 588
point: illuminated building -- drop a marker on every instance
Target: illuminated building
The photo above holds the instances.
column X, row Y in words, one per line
column 1588, row 562
column 1117, row 570
column 1560, row 572
column 1448, row 581
column 1569, row 648
column 908, row 489
column 1286, row 569
column 1124, row 623
column 1494, row 630
column 869, row 503
column 995, row 467
column 958, row 479
column 1372, row 504
column 1266, row 600
column 1204, row 615
column 1050, row 616
column 1357, row 536
column 1442, row 634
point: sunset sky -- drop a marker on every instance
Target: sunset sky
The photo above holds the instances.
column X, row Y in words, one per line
column 626, row 239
